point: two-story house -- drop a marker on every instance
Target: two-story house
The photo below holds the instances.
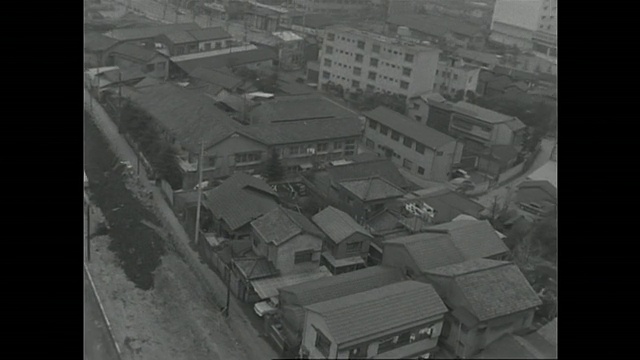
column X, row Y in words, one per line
column 487, row 298
column 348, row 242
column 195, row 40
column 288, row 240
column 292, row 299
column 421, row 150
column 474, row 238
column 130, row 56
column 397, row 321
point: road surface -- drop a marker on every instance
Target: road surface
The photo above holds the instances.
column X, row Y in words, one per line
column 98, row 344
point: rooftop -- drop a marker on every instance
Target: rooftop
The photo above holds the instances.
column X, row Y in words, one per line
column 447, row 203
column 255, row 268
column 139, row 33
column 372, row 189
column 474, row 239
column 229, row 57
column 429, row 250
column 407, row 45
column 267, row 288
column 481, row 113
column 429, row 137
column 287, row 35
column 280, row 224
column 225, row 80
column 135, row 52
column 344, row 284
column 304, row 131
column 337, row 225
column 98, row 42
column 547, row 172
column 376, row 311
column 478, row 56
column 298, row 107
column 435, row 25
column 512, row 346
column 383, row 168
column 315, row 21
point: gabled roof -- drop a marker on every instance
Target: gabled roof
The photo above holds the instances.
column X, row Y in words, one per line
column 255, row 268
column 224, row 58
column 429, row 137
column 492, row 288
column 550, row 331
column 135, row 52
column 383, row 168
column 481, row 113
column 304, row 131
column 512, row 346
column 429, row 250
column 344, row 284
column 139, row 33
column 377, row 311
column 240, row 199
column 372, row 189
column 280, row 224
column 97, row 42
column 448, row 204
column 337, row 225
column 298, row 107
column 435, row 25
column 474, row 239
column 227, row 81
column 267, row 288
column 210, row 33
column 189, row 114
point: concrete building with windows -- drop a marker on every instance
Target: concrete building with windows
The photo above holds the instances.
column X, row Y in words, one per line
column 527, row 24
column 421, row 150
column 455, row 75
column 359, row 61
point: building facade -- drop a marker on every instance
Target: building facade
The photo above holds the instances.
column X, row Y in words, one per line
column 545, row 39
column 526, row 24
column 453, row 75
column 194, row 41
column 362, row 61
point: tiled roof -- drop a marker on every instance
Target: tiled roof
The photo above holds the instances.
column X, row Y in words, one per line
column 512, row 346
column 372, row 189
column 304, row 131
column 98, row 42
column 189, row 114
column 337, row 225
column 280, row 225
column 543, row 186
column 344, row 284
column 384, row 221
column 485, row 58
column 497, row 291
column 466, row 267
column 435, row 25
column 550, row 331
column 428, row 250
column 429, row 137
column 140, row 33
column 135, row 52
column 267, row 288
column 474, row 239
column 227, row 81
column 449, row 204
column 211, row 33
column 408, row 303
column 240, row 199
column 180, row 37
column 298, row 107
column 256, row 268
column 383, row 168
column 225, row 59
column 481, row 113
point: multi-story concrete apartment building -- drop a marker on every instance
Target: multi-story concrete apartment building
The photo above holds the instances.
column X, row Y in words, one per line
column 545, row 39
column 523, row 23
column 361, row 60
column 332, row 6
column 454, row 75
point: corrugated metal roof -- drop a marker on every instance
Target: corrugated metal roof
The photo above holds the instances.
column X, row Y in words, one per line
column 337, row 225
column 408, row 303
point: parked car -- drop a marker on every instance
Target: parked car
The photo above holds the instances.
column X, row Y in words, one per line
column 461, row 184
column 269, row 306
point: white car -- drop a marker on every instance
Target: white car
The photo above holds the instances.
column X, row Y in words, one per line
column 266, row 307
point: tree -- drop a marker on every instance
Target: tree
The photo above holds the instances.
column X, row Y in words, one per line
column 459, row 96
column 471, row 96
column 274, row 170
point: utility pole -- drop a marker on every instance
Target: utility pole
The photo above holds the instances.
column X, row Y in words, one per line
column 226, row 308
column 88, row 231
column 200, row 166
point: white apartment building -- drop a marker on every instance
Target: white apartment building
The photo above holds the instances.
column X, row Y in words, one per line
column 545, row 39
column 332, row 6
column 454, row 75
column 356, row 59
column 518, row 22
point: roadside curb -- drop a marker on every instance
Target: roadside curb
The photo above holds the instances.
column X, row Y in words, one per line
column 104, row 314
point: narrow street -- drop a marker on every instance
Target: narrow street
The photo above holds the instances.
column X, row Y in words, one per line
column 185, row 296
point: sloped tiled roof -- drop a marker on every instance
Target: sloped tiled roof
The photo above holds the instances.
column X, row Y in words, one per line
column 344, row 284
column 481, row 113
column 337, row 225
column 550, row 331
column 383, row 168
column 211, row 33
column 298, row 107
column 474, row 239
column 449, row 204
column 227, row 81
column 428, row 250
column 98, row 42
column 267, row 288
column 304, row 131
column 429, row 137
column 372, row 189
column 135, row 52
column 512, row 346
column 139, row 33
column 280, row 225
column 466, row 267
column 222, row 59
column 256, row 268
column 408, row 303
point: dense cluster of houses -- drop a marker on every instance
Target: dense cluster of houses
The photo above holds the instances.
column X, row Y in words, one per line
column 377, row 266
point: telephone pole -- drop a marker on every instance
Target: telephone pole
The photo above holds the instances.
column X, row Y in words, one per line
column 200, row 166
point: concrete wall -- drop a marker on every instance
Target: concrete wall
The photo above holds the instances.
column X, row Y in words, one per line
column 286, row 254
column 459, row 79
column 442, row 163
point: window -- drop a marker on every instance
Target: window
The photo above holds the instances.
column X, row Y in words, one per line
column 207, row 46
column 350, row 147
column 437, row 71
column 160, row 66
column 359, row 58
column 408, row 142
column 439, row 153
column 395, row 135
column 455, row 76
column 407, row 164
column 211, row 162
column 294, row 150
column 420, row 148
column 354, row 248
column 420, row 170
column 355, row 83
column 370, row 144
column 376, row 49
column 326, row 75
column 418, row 118
column 361, row 44
column 337, row 145
column 404, row 85
column 256, row 242
column 322, row 147
column 327, row 62
column 373, row 124
column 372, row 75
column 331, row 36
column 219, row 45
column 370, row 88
column 406, row 71
column 248, row 157
column 384, row 130
column 322, row 343
column 150, row 67
column 408, row 57
column 357, row 71
column 328, row 50
column 373, row 62
column 303, row 256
